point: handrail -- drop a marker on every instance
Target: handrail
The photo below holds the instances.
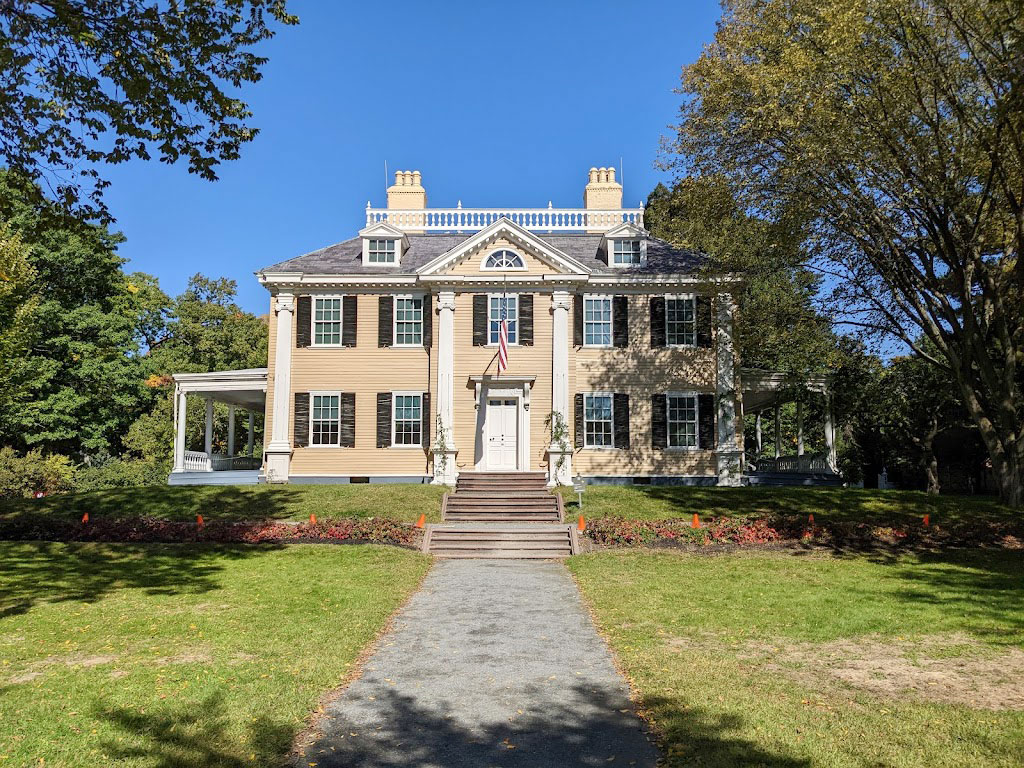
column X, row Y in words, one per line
column 473, row 219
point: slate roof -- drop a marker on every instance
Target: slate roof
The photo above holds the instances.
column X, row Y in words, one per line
column 344, row 258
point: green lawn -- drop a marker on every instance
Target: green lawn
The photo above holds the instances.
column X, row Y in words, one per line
column 653, row 502
column 241, row 502
column 162, row 656
column 813, row 660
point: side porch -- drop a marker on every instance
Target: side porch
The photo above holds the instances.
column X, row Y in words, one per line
column 243, row 390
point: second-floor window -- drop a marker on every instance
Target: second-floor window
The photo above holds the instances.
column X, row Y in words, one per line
column 625, row 253
column 327, row 320
column 325, row 421
column 408, row 321
column 511, row 306
column 381, row 252
column 680, row 321
column 597, row 321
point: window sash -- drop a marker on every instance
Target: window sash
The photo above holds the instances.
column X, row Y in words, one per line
column 408, row 321
column 381, row 252
column 682, row 421
column 597, row 322
column 327, row 321
column 598, row 421
column 406, row 419
column 494, row 318
column 681, row 321
column 325, row 420
column 626, row 252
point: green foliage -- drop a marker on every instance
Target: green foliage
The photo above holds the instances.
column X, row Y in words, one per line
column 121, row 473
column 88, row 82
column 23, row 476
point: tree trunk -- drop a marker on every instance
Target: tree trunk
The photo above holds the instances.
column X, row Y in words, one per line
column 1010, row 481
column 931, row 461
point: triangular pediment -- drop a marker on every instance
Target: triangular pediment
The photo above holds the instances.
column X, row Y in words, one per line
column 384, row 230
column 504, row 233
column 625, row 230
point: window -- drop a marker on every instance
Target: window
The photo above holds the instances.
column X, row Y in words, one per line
column 680, row 321
column 682, row 421
column 511, row 306
column 327, row 320
column 380, row 252
column 406, row 418
column 626, row 253
column 597, row 421
column 504, row 260
column 597, row 321
column 408, row 321
column 325, row 421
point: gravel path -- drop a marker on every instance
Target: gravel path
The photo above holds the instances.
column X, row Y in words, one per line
column 492, row 663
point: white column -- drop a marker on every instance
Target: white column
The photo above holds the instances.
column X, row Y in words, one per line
column 231, row 430
column 560, row 454
column 252, row 430
column 445, row 470
column 728, row 455
column 279, row 450
column 757, row 430
column 778, row 432
column 180, row 408
column 799, row 428
column 830, row 435
column 208, row 441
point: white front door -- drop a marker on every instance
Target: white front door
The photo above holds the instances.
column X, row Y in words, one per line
column 502, row 430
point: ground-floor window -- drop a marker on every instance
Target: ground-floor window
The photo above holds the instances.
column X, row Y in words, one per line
column 682, row 421
column 325, row 420
column 597, row 420
column 407, row 419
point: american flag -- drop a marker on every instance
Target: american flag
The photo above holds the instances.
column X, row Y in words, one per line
column 503, row 338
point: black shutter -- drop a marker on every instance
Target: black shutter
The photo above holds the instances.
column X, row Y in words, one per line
column 578, row 418
column 425, row 421
column 479, row 320
column 526, row 319
column 621, row 407
column 383, row 419
column 577, row 321
column 703, row 321
column 301, row 419
column 347, row 414
column 658, row 322
column 659, row 422
column 706, row 422
column 620, row 321
column 303, row 321
column 349, row 313
column 385, row 321
column 428, row 321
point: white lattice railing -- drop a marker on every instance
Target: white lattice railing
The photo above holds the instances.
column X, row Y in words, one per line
column 793, row 464
column 471, row 219
column 197, row 461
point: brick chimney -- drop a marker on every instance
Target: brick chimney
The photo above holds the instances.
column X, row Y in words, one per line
column 602, row 191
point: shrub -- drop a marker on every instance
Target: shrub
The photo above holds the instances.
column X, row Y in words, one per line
column 121, row 473
column 24, row 476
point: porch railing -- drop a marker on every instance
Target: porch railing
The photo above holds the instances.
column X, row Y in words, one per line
column 197, row 461
column 224, row 463
column 789, row 464
column 473, row 219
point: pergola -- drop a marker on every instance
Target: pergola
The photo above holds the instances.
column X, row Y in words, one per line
column 244, row 389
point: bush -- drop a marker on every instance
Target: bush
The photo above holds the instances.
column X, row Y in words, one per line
column 119, row 473
column 24, row 476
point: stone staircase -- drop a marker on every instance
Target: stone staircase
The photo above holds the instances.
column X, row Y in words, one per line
column 501, row 515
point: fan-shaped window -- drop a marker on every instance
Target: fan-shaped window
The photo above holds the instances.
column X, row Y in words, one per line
column 504, row 260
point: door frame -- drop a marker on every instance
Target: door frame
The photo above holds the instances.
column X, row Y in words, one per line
column 503, row 390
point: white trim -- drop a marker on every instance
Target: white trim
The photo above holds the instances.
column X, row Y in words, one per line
column 489, row 254
column 677, row 297
column 610, row 396
column 611, row 319
column 406, row 393
column 490, row 296
column 312, row 320
column 394, row 320
column 323, row 393
column 696, row 434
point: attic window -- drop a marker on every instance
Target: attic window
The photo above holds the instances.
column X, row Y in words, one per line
column 380, row 252
column 504, row 260
column 626, row 253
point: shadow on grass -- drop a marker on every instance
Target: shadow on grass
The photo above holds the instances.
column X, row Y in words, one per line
column 196, row 736
column 395, row 731
column 32, row 572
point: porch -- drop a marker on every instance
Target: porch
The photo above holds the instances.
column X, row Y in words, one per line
column 788, row 455
column 244, row 390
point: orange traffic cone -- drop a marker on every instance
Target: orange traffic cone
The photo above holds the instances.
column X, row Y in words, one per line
column 810, row 519
column 927, row 520
column 422, row 521
column 696, row 521
column 581, row 525
column 312, row 519
column 199, row 520
column 85, row 518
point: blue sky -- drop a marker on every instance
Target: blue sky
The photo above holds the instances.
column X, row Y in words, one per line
column 496, row 103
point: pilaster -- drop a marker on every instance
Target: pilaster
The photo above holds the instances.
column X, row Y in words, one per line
column 445, row 470
column 279, row 450
column 560, row 451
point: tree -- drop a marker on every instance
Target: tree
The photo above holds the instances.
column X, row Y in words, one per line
column 88, row 82
column 897, row 128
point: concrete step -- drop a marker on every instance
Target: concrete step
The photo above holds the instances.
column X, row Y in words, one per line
column 500, row 541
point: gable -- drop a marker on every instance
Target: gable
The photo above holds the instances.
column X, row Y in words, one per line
column 474, row 261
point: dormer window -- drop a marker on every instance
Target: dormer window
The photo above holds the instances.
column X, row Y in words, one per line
column 504, row 260
column 380, row 251
column 626, row 253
